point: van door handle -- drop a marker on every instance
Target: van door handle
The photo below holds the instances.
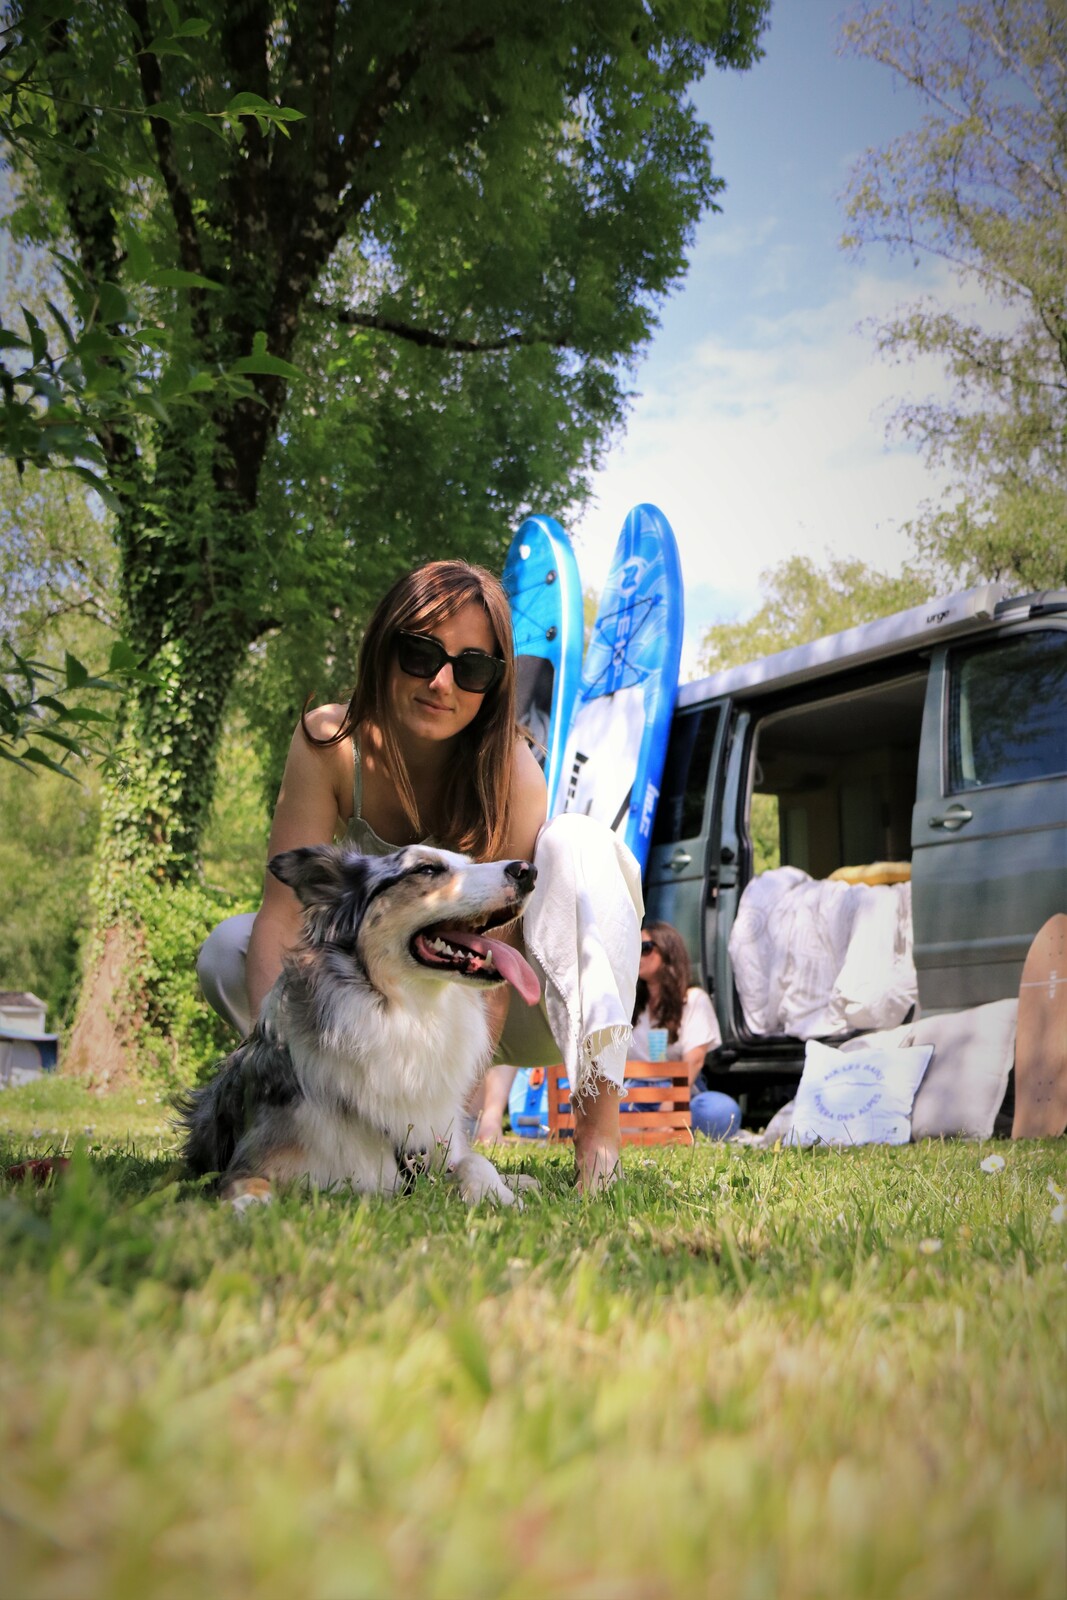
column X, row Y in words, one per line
column 953, row 818
column 679, row 861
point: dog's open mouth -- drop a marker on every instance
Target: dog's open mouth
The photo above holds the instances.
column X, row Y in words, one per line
column 466, row 950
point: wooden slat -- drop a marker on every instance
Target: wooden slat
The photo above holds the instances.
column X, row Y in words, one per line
column 672, row 1125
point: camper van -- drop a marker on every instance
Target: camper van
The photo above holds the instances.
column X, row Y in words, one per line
column 926, row 750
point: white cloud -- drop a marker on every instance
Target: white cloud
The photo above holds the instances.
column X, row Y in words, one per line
column 767, row 445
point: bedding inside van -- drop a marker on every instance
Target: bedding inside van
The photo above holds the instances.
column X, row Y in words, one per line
column 816, row 957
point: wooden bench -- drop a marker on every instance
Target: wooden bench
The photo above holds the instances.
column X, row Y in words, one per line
column 662, row 1115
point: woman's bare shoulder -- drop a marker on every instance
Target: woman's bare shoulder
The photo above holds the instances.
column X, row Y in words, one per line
column 527, row 779
column 324, row 721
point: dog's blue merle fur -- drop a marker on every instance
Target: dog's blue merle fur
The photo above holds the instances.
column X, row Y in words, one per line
column 258, row 1077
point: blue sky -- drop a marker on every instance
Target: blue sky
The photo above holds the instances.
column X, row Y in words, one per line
column 760, row 423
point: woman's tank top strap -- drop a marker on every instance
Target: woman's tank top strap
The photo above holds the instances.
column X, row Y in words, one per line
column 357, row 782
column 359, row 833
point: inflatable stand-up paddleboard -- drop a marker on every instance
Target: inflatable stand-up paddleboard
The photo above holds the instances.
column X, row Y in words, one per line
column 613, row 761
column 545, row 593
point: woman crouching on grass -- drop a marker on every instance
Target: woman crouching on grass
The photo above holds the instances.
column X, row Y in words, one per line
column 428, row 750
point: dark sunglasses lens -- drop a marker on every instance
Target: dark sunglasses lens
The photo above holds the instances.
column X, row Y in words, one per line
column 419, row 658
column 647, row 947
column 474, row 671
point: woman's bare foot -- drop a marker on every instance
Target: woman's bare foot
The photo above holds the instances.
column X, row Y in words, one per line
column 597, row 1139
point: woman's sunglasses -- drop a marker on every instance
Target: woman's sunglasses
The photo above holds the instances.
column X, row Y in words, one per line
column 422, row 656
column 647, row 947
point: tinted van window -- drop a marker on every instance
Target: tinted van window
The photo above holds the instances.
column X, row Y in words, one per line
column 1007, row 721
column 680, row 811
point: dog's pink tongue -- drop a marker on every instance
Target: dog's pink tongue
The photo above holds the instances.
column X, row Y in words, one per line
column 508, row 962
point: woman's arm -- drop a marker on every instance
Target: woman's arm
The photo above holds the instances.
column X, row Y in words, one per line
column 699, row 1031
column 311, row 797
column 529, row 804
column 693, row 1060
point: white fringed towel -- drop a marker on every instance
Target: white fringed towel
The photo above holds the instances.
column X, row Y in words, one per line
column 582, row 931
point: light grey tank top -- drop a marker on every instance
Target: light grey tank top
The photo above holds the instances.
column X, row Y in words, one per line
column 359, row 834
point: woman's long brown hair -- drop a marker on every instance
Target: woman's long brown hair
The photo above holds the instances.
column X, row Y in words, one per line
column 674, row 979
column 475, row 811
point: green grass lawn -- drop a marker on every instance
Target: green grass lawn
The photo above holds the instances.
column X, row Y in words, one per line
column 745, row 1373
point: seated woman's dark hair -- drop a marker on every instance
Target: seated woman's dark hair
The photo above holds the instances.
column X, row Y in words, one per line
column 674, row 979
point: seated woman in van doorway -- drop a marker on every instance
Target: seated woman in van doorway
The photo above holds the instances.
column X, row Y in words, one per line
column 665, row 999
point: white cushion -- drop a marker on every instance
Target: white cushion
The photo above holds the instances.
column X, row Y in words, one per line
column 964, row 1087
column 860, row 1096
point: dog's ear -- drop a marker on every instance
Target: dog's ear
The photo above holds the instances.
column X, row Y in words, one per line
column 314, row 872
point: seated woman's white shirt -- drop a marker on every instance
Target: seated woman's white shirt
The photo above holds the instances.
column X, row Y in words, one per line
column 700, row 1026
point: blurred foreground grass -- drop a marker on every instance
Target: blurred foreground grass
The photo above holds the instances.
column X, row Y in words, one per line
column 743, row 1374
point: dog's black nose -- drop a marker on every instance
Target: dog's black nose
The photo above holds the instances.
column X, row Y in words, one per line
column 524, row 873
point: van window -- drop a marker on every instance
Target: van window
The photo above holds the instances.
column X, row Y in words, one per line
column 680, row 810
column 1006, row 719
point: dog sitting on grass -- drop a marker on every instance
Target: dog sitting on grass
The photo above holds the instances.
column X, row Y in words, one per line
column 372, row 1038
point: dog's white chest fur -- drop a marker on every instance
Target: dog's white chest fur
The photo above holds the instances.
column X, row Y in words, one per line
column 387, row 1078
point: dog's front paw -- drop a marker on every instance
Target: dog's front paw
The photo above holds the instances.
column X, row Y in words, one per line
column 477, row 1179
column 247, row 1192
column 520, row 1182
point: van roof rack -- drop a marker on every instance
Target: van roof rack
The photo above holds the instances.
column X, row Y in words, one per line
column 945, row 616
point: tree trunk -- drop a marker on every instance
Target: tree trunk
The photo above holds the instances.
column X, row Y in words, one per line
column 157, row 798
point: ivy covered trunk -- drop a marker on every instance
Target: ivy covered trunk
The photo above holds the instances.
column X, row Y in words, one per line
column 157, row 798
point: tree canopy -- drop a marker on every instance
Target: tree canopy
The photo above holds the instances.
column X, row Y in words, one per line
column 339, row 287
column 802, row 601
column 982, row 186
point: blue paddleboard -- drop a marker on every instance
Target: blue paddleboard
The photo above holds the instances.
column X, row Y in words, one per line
column 543, row 587
column 613, row 761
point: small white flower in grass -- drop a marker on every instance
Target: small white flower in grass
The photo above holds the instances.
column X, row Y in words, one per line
column 1055, row 1191
column 929, row 1247
column 1059, row 1213
column 993, row 1164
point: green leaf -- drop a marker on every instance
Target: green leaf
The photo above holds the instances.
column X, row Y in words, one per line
column 16, row 761
column 123, row 657
column 39, row 759
column 63, row 739
column 38, row 342
column 246, row 104
column 175, row 278
column 76, row 674
column 86, row 713
column 63, row 324
column 149, row 406
column 272, row 366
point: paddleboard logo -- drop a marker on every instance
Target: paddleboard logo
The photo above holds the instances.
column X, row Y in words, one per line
column 572, row 782
column 648, row 810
